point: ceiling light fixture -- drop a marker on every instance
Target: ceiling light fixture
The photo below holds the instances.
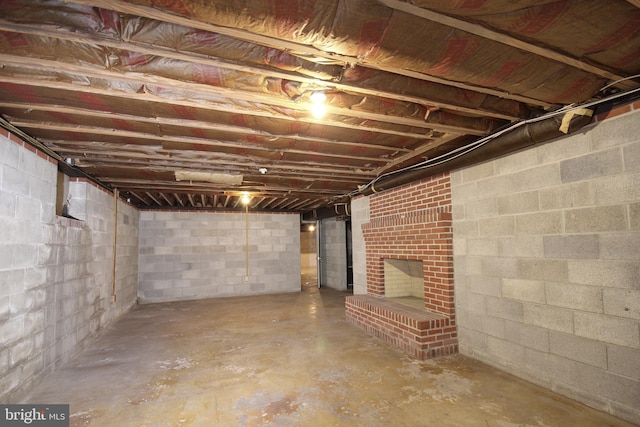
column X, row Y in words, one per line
column 318, row 108
column 263, row 170
column 245, row 198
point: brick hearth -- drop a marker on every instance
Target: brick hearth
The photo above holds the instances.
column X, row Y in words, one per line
column 412, row 222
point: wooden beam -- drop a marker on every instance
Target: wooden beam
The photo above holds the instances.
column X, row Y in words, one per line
column 178, row 199
column 192, row 124
column 134, row 194
column 148, row 97
column 166, row 199
column 92, row 130
column 153, row 198
column 234, row 95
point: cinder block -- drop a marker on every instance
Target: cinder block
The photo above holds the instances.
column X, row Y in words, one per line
column 522, row 246
column 465, row 228
column 608, row 385
column 518, row 203
column 634, row 216
column 479, row 171
column 620, row 246
column 543, row 176
column 617, row 189
column 564, row 148
column 554, row 369
column 527, row 335
column 553, row 318
column 506, row 351
column 614, row 274
column 496, row 226
column 577, row 194
column 13, row 180
column 9, row 152
column 624, row 361
column 499, row 266
column 539, row 223
column 572, row 246
column 482, row 246
column 618, row 131
column 591, row 166
column 515, row 162
column 622, row 302
column 596, row 219
column 524, row 290
column 481, row 208
column 608, row 329
column 631, row 156
column 550, row 198
column 486, row 285
column 493, row 326
column 505, row 308
column 542, row 269
column 583, row 350
column 578, row 297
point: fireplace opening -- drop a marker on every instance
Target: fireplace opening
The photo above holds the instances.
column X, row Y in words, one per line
column 404, row 281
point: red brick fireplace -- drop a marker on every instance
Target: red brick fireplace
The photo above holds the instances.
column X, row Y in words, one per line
column 413, row 223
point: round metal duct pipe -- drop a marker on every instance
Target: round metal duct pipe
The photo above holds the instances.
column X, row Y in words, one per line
column 524, row 136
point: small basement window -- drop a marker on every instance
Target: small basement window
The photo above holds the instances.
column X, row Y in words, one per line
column 63, row 196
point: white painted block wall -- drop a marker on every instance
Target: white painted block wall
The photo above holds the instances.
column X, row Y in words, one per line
column 55, row 272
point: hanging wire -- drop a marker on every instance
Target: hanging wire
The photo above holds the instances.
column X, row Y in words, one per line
column 461, row 151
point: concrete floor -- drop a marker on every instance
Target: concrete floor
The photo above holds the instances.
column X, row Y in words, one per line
column 285, row 360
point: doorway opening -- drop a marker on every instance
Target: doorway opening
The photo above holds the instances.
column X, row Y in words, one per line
column 308, row 255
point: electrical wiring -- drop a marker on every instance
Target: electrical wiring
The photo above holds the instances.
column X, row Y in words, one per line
column 461, row 151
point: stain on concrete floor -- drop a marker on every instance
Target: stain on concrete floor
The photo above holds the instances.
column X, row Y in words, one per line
column 285, row 360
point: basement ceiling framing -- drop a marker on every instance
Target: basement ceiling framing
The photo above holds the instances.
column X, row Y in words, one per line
column 132, row 92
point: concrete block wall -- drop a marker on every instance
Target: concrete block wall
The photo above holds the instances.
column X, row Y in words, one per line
column 194, row 255
column 360, row 214
column 333, row 250
column 54, row 292
column 547, row 264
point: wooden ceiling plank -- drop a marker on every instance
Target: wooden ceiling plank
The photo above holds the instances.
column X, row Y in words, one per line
column 421, row 151
column 191, row 124
column 505, row 39
column 455, row 104
column 178, row 199
column 169, row 202
column 336, row 172
column 148, row 97
column 281, row 44
column 188, row 140
column 153, row 198
column 42, row 64
column 225, row 159
column 134, row 194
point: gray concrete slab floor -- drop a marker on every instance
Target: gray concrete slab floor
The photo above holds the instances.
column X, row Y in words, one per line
column 284, row 360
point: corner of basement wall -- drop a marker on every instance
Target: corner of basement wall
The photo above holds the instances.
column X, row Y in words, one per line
column 547, row 263
column 55, row 272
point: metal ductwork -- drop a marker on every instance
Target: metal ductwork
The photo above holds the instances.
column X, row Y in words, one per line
column 524, row 136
